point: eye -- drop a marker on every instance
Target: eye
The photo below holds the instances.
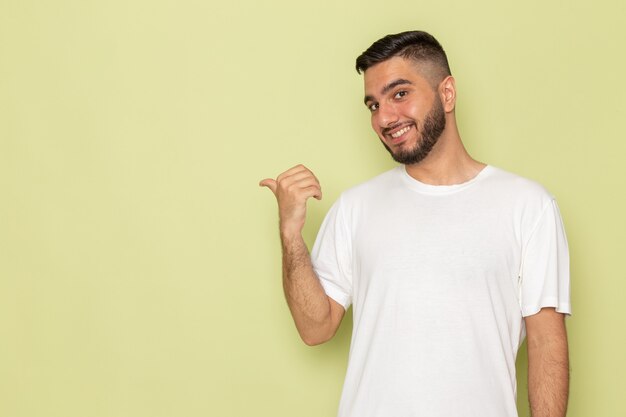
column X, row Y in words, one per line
column 400, row 94
column 373, row 107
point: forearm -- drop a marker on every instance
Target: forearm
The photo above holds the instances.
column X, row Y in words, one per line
column 316, row 316
column 548, row 376
column 308, row 303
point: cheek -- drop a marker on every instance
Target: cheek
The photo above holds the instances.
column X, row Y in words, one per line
column 411, row 110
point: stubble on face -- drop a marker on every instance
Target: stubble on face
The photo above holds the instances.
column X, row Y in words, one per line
column 429, row 132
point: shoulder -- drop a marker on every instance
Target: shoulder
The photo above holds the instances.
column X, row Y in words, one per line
column 517, row 189
column 375, row 187
column 526, row 202
column 353, row 201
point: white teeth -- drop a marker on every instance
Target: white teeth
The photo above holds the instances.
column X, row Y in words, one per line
column 401, row 132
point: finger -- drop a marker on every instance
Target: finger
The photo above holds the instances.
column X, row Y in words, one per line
column 269, row 183
column 298, row 167
column 303, row 168
column 296, row 178
column 291, row 171
column 313, row 191
column 305, row 183
column 294, row 189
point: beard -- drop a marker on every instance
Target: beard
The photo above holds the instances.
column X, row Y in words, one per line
column 428, row 133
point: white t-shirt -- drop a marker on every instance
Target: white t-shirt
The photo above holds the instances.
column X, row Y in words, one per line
column 440, row 278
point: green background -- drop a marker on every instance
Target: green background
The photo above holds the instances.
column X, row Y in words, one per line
column 139, row 260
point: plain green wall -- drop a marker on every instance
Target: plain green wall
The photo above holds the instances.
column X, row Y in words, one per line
column 139, row 261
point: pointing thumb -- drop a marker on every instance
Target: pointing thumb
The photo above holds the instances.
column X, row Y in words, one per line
column 269, row 183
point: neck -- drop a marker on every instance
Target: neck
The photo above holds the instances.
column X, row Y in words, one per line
column 448, row 163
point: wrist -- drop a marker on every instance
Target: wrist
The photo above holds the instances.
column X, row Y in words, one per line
column 290, row 231
column 290, row 234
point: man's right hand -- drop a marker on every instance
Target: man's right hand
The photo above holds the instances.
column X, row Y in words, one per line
column 315, row 314
column 292, row 189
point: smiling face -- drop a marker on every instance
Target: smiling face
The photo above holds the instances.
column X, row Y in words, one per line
column 406, row 111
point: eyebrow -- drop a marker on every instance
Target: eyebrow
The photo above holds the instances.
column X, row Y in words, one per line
column 390, row 86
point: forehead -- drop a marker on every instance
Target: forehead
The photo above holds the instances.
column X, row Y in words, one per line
column 382, row 74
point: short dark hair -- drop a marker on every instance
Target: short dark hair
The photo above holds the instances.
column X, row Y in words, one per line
column 416, row 45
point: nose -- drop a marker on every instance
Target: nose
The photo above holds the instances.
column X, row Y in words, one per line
column 386, row 115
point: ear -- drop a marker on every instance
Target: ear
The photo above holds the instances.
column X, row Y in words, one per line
column 447, row 93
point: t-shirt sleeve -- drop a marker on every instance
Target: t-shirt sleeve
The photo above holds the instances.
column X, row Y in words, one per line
column 332, row 256
column 544, row 275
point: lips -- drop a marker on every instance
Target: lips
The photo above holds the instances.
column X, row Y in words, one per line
column 397, row 134
column 400, row 132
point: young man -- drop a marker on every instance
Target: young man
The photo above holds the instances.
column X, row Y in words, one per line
column 447, row 262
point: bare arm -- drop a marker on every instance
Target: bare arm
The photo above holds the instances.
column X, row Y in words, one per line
column 316, row 315
column 548, row 363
